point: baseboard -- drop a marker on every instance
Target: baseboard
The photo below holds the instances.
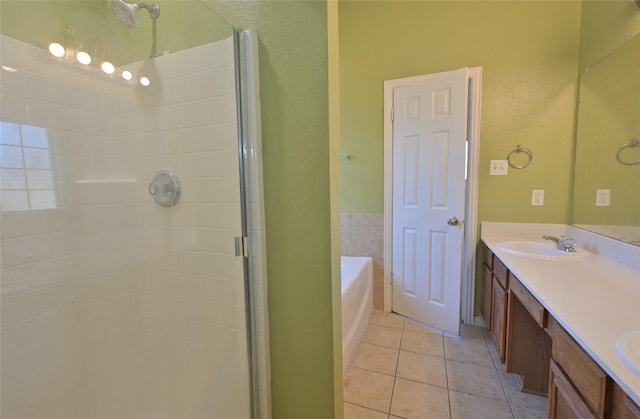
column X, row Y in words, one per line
column 479, row 321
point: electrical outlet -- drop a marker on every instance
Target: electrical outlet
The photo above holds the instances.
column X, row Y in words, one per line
column 537, row 197
column 498, row 168
column 603, row 197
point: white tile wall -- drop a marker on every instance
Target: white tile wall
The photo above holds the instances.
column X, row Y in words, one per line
column 112, row 306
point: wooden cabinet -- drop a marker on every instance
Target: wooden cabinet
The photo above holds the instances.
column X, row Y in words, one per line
column 578, row 387
column 499, row 317
column 622, row 407
column 543, row 356
column 564, row 401
column 528, row 350
column 487, row 292
column 589, row 380
column 487, row 287
column 495, row 283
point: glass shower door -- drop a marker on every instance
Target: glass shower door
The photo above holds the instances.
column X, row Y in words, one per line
column 115, row 305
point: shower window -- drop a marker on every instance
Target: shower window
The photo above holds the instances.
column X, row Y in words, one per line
column 25, row 168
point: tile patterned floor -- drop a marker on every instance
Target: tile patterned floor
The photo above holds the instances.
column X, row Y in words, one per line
column 404, row 370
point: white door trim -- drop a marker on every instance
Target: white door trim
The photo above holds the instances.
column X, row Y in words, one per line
column 471, row 225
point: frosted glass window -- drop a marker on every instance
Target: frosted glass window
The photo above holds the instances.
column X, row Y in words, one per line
column 9, row 133
column 26, row 176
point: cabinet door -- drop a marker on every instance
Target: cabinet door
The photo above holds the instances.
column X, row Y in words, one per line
column 631, row 410
column 622, row 407
column 487, row 292
column 499, row 318
column 564, row 401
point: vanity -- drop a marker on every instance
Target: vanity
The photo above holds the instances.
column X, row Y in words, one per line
column 556, row 318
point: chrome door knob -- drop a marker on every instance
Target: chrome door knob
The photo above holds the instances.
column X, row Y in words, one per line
column 453, row 221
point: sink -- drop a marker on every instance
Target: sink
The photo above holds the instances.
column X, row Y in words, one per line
column 540, row 249
column 628, row 349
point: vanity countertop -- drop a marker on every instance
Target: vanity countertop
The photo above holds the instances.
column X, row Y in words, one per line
column 595, row 299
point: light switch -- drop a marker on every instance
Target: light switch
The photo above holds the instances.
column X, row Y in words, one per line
column 499, row 168
column 603, row 197
column 537, row 197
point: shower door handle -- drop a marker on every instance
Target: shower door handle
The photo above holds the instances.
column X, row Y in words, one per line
column 453, row 221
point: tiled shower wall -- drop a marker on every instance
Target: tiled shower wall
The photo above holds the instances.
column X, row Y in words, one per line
column 362, row 235
column 113, row 306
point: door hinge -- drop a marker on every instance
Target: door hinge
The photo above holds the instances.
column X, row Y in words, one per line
column 242, row 248
column 393, row 279
column 393, row 114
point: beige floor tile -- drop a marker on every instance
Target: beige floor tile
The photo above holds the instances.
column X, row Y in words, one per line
column 383, row 336
column 517, row 397
column 417, row 327
column 423, row 343
column 376, row 358
column 423, row 368
column 493, row 350
column 523, row 412
column 387, row 319
column 472, row 333
column 368, row 389
column 352, row 411
column 471, row 351
column 478, row 385
column 532, row 401
column 418, row 400
column 465, row 406
column 474, row 379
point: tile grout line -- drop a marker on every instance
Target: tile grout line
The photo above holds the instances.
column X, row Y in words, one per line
column 495, row 367
column 395, row 373
column 446, row 373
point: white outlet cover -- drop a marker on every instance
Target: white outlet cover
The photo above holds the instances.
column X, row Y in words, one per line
column 603, row 197
column 499, row 168
column 537, row 197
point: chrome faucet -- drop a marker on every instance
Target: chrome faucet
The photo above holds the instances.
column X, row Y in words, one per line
column 563, row 243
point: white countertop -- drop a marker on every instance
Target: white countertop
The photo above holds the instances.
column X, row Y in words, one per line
column 595, row 299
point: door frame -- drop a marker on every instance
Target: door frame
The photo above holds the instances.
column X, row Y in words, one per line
column 467, row 303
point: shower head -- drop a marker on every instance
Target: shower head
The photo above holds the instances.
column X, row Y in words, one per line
column 126, row 12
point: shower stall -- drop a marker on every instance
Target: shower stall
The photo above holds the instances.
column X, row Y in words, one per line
column 133, row 265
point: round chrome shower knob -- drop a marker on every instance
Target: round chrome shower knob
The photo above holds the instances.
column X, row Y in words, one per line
column 165, row 188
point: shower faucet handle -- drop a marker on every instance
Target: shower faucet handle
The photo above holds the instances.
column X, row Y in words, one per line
column 165, row 188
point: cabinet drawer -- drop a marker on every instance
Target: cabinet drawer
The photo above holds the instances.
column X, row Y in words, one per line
column 584, row 373
column 488, row 257
column 500, row 272
column 528, row 301
column 564, row 400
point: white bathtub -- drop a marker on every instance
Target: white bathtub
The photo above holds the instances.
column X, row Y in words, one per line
column 357, row 303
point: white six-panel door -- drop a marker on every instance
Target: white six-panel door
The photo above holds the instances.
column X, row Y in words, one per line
column 429, row 143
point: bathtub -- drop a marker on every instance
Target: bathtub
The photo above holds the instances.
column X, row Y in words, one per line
column 357, row 303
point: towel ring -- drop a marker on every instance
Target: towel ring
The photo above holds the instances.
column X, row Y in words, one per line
column 631, row 144
column 520, row 149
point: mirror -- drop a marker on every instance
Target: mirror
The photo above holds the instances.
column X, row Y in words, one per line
column 606, row 189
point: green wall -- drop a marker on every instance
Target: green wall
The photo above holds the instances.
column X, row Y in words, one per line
column 607, row 118
column 295, row 131
column 528, row 51
column 606, row 25
column 529, row 54
column 90, row 25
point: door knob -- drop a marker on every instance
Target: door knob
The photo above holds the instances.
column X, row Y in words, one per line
column 453, row 221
